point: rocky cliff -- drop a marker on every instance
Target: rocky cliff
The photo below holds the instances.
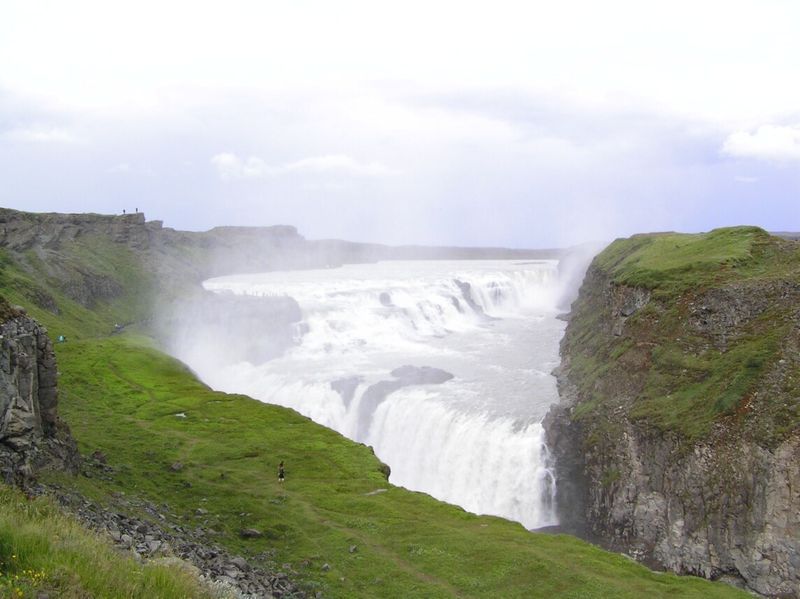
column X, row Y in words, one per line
column 677, row 437
column 31, row 434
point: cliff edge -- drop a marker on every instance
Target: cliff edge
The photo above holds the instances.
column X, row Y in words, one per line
column 677, row 437
column 31, row 434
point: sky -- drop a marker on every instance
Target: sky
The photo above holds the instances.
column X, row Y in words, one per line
column 518, row 124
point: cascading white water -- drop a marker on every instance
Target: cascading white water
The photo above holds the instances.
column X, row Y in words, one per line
column 474, row 439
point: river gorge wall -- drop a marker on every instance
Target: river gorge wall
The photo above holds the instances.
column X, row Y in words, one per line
column 676, row 437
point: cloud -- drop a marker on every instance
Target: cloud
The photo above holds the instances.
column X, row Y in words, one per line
column 232, row 167
column 745, row 179
column 40, row 134
column 768, row 142
column 122, row 167
column 338, row 163
column 126, row 168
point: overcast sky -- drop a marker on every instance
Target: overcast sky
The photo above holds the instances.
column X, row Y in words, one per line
column 525, row 124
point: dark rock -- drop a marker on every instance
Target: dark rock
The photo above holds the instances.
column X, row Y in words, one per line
column 240, row 563
column 176, row 467
column 421, row 375
column 32, row 436
column 385, row 469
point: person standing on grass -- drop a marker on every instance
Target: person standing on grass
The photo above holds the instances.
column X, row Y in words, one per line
column 281, row 472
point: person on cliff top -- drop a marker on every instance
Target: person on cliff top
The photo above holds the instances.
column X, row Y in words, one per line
column 281, row 472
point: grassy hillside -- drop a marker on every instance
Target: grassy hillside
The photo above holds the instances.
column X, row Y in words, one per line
column 44, row 551
column 715, row 345
column 123, row 397
column 335, row 526
column 82, row 290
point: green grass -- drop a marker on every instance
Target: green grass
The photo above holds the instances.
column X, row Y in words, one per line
column 44, row 290
column 677, row 260
column 676, row 377
column 42, row 550
column 690, row 392
column 120, row 395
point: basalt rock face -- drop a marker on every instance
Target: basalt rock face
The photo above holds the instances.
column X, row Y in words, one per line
column 31, row 434
column 21, row 231
column 720, row 500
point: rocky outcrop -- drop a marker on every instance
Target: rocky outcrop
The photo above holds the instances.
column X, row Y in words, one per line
column 720, row 500
column 31, row 434
column 20, row 231
column 156, row 534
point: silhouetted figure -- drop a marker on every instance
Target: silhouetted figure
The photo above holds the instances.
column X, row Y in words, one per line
column 137, row 211
column 123, row 211
column 281, row 472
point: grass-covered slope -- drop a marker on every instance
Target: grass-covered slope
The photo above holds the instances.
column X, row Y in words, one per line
column 44, row 552
column 691, row 332
column 125, row 398
column 83, row 289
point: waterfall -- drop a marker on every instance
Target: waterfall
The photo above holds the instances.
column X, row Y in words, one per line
column 443, row 367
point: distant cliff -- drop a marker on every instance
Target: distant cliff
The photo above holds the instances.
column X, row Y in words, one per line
column 677, row 437
column 31, row 434
column 121, row 261
column 221, row 250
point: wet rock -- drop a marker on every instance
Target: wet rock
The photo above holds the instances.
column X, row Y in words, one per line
column 405, row 376
column 421, row 375
column 346, row 388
